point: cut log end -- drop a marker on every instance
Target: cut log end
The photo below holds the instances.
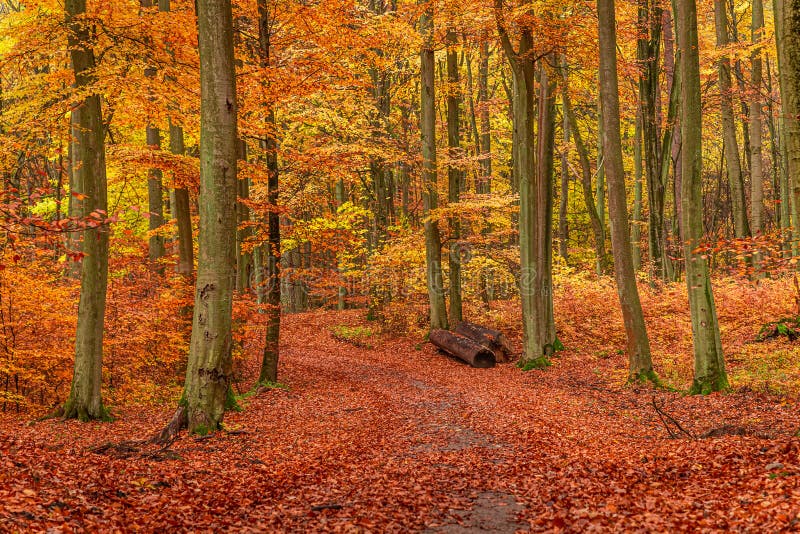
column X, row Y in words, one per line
column 463, row 348
column 494, row 340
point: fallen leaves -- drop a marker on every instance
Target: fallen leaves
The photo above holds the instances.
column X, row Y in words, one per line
column 398, row 439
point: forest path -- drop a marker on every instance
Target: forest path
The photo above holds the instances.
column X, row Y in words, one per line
column 399, row 438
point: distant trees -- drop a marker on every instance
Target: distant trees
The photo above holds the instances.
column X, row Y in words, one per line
column 343, row 145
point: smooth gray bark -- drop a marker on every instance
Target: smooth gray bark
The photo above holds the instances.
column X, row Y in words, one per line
column 535, row 196
column 89, row 168
column 209, row 373
column 756, row 147
column 430, row 197
column 454, row 173
column 709, row 367
column 729, row 142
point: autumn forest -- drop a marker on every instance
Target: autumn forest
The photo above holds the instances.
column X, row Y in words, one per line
column 399, row 265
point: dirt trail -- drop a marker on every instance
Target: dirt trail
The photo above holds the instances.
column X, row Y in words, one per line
column 395, row 439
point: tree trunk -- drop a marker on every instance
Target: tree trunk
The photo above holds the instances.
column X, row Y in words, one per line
column 640, row 363
column 787, row 31
column 269, row 362
column 380, row 172
column 454, row 173
column 668, row 145
column 244, row 258
column 74, row 205
column 636, row 222
column 709, row 371
column 463, row 348
column 600, row 196
column 729, row 141
column 181, row 206
column 538, row 334
column 779, row 150
column 341, row 291
column 155, row 194
column 756, row 159
column 648, row 46
column 494, row 340
column 563, row 197
column 89, row 166
column 182, row 210
column 544, row 203
column 586, row 182
column 787, row 198
column 155, row 189
column 670, row 159
column 433, row 242
column 485, row 126
column 209, row 373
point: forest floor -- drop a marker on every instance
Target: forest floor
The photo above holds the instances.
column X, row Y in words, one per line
column 395, row 437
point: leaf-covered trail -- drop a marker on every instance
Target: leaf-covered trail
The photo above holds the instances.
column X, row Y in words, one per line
column 399, row 439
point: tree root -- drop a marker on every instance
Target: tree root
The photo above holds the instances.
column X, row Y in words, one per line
column 170, row 433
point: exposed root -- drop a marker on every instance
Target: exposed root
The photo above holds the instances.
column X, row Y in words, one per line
column 123, row 449
column 134, row 448
column 57, row 413
column 730, row 430
column 170, row 433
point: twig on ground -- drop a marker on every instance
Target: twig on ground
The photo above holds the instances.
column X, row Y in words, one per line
column 667, row 419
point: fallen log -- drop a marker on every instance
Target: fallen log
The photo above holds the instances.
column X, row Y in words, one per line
column 494, row 340
column 463, row 348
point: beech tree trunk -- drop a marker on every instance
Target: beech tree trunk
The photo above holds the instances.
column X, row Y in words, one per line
column 89, row 168
column 244, row 258
column 485, row 126
column 640, row 364
column 636, row 221
column 709, row 367
column 648, row 47
column 563, row 197
column 729, row 142
column 209, row 373
column 155, row 189
column 788, row 216
column 454, row 173
column 433, row 242
column 74, row 204
column 600, row 187
column 586, row 182
column 787, row 30
column 756, row 156
column 269, row 361
column 546, row 137
column 181, row 208
column 155, row 195
column 382, row 179
column 535, row 217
